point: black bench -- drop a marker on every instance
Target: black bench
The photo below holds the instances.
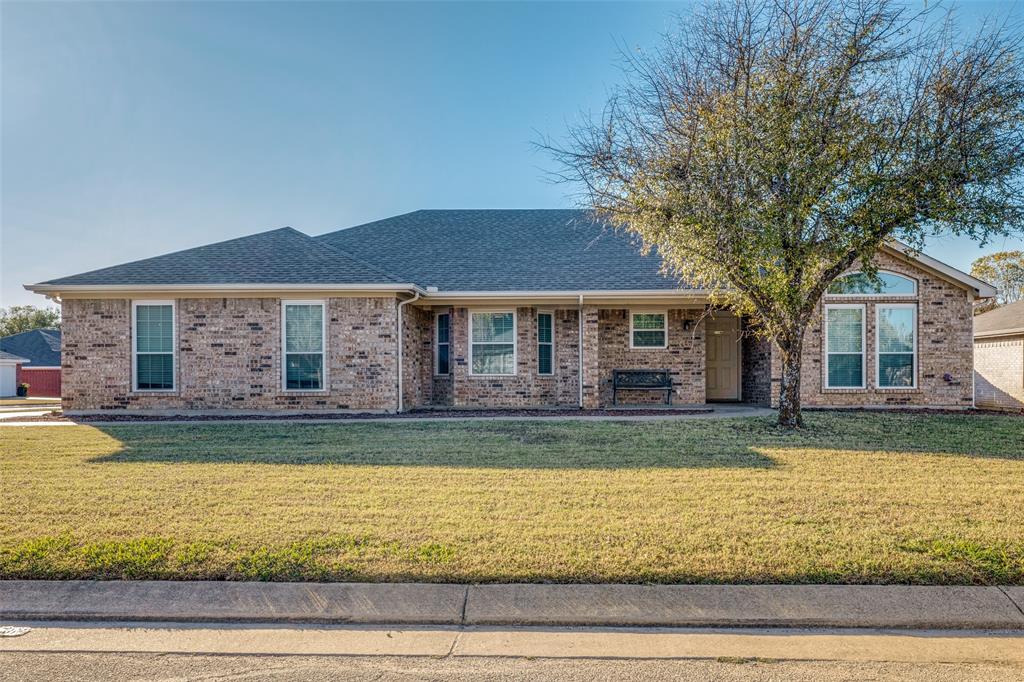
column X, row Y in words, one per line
column 641, row 380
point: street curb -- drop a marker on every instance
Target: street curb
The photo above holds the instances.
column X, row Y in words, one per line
column 789, row 606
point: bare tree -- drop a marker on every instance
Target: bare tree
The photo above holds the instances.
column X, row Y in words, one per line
column 768, row 145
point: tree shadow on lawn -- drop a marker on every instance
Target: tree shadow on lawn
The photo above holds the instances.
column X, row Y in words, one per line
column 733, row 443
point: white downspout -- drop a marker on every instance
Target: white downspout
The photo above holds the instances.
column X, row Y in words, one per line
column 581, row 351
column 401, row 336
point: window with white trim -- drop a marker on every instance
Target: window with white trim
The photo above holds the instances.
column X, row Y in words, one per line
column 492, row 348
column 648, row 330
column 844, row 346
column 884, row 284
column 153, row 345
column 896, row 345
column 304, row 341
column 442, row 343
column 545, row 343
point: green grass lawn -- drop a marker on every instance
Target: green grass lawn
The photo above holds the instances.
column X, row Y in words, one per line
column 856, row 497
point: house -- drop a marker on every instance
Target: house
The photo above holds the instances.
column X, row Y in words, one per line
column 9, row 364
column 999, row 358
column 485, row 309
column 41, row 348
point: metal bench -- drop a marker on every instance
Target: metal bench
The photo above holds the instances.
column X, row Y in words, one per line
column 641, row 380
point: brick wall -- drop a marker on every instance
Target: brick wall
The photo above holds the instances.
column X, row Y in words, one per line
column 526, row 388
column 756, row 369
column 417, row 356
column 229, row 356
column 999, row 373
column 944, row 346
column 684, row 357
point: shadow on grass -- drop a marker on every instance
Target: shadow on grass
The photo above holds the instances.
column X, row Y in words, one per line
column 488, row 445
column 731, row 443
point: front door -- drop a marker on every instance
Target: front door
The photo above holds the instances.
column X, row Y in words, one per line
column 723, row 357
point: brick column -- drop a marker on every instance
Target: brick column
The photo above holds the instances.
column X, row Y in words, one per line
column 591, row 348
column 459, row 354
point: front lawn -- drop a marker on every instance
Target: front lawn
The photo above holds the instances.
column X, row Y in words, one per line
column 856, row 497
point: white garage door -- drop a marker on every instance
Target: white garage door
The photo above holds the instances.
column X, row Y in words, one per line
column 7, row 383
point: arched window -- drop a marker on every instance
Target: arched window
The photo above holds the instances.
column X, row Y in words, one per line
column 885, row 284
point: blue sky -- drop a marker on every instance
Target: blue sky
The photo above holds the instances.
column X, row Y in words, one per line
column 134, row 129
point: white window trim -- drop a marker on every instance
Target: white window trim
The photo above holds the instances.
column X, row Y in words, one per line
column 551, row 343
column 878, row 346
column 515, row 341
column 881, row 272
column 664, row 328
column 284, row 345
column 863, row 345
column 437, row 343
column 135, row 346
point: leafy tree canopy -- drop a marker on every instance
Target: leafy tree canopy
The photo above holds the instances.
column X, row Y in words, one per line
column 769, row 145
column 23, row 318
column 1005, row 271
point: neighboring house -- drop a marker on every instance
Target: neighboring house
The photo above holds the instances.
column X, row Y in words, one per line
column 496, row 308
column 8, row 373
column 41, row 347
column 999, row 358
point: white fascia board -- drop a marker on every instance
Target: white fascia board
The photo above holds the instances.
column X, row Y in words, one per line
column 156, row 288
column 596, row 293
column 982, row 289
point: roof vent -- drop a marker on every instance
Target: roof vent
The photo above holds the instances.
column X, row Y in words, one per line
column 432, row 290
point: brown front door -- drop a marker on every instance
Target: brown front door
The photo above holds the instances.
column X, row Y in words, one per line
column 723, row 357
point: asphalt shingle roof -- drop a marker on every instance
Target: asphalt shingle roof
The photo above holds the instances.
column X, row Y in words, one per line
column 282, row 256
column 504, row 250
column 1003, row 318
column 40, row 346
column 454, row 250
column 11, row 356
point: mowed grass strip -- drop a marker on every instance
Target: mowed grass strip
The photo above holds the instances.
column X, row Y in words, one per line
column 854, row 498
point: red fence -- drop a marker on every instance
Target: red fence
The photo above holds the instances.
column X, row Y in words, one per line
column 43, row 383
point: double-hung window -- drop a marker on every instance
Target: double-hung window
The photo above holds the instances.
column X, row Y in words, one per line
column 442, row 343
column 492, row 347
column 648, row 330
column 304, row 341
column 545, row 343
column 896, row 345
column 153, row 343
column 844, row 346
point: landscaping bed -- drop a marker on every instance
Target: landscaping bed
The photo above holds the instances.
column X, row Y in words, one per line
column 856, row 497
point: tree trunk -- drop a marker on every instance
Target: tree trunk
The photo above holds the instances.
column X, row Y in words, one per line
column 790, row 416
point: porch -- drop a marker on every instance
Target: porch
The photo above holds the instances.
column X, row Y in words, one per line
column 537, row 356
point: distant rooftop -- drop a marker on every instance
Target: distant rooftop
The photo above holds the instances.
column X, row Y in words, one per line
column 1004, row 319
column 40, row 346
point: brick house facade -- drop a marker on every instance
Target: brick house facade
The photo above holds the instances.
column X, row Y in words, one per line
column 283, row 321
column 999, row 358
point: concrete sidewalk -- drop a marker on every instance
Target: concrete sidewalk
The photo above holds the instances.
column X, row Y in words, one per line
column 820, row 606
column 440, row 642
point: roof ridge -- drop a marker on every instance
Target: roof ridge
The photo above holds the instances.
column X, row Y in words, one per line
column 372, row 222
column 330, row 247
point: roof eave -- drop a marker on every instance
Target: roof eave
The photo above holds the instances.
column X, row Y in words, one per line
column 60, row 289
column 980, row 288
column 998, row 332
